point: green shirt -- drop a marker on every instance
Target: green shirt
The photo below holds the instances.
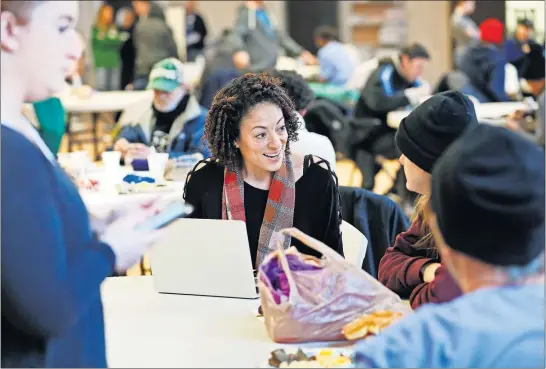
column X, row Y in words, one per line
column 106, row 46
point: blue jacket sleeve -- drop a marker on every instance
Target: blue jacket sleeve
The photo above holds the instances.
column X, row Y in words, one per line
column 379, row 94
column 133, row 134
column 496, row 83
column 191, row 140
column 48, row 284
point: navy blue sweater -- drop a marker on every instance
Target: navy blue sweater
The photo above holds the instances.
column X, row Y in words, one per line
column 52, row 265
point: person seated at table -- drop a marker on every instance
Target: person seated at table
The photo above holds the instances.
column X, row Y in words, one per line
column 302, row 95
column 253, row 176
column 336, row 64
column 485, row 65
column 487, row 218
column 221, row 66
column 517, row 48
column 412, row 266
column 395, row 84
column 173, row 123
column 514, row 122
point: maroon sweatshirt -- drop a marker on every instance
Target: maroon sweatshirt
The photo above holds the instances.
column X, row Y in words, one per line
column 399, row 271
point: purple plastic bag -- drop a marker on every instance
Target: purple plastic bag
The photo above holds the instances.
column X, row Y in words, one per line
column 308, row 299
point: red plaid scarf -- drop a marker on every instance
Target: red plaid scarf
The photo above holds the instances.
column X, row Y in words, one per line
column 279, row 211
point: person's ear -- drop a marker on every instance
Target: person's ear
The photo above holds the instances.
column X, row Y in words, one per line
column 9, row 32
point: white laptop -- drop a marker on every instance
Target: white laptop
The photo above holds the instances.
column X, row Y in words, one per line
column 206, row 258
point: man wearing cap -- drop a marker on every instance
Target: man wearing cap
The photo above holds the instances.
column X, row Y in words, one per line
column 487, row 211
column 174, row 123
column 485, row 64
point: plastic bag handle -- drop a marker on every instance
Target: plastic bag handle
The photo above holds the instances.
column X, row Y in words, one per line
column 284, row 264
column 313, row 243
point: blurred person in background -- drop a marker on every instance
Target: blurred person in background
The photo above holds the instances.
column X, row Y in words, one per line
column 221, row 66
column 527, row 56
column 173, row 123
column 257, row 36
column 516, row 121
column 302, row 95
column 519, row 45
column 106, row 41
column 55, row 256
column 395, row 84
column 153, row 39
column 412, row 267
column 196, row 32
column 464, row 30
column 127, row 53
column 485, row 65
column 336, row 64
column 487, row 218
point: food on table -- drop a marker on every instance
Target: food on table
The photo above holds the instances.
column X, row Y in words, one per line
column 325, row 358
column 370, row 324
column 87, row 184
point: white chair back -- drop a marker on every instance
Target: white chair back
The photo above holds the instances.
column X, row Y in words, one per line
column 361, row 74
column 511, row 80
column 286, row 63
column 355, row 244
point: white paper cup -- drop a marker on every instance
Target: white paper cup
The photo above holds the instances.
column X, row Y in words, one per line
column 111, row 161
column 157, row 163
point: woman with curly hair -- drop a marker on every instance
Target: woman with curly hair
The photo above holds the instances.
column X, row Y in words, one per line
column 252, row 175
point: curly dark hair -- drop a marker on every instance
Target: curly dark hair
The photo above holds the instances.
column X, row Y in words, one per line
column 296, row 87
column 232, row 103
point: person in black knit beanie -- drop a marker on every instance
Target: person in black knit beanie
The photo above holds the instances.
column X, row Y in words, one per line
column 412, row 266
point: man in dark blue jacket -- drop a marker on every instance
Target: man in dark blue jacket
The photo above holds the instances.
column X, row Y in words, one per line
column 173, row 123
column 485, row 64
column 518, row 49
column 395, row 84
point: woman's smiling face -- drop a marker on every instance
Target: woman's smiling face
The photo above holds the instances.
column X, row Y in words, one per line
column 263, row 137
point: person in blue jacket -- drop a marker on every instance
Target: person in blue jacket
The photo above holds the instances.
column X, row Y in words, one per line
column 517, row 47
column 484, row 64
column 54, row 258
column 487, row 217
column 173, row 123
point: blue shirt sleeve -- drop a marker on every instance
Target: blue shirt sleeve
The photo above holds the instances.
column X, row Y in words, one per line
column 496, row 83
column 48, row 284
column 327, row 65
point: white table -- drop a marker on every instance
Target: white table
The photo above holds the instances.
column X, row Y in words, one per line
column 483, row 111
column 145, row 329
column 107, row 196
column 100, row 102
column 104, row 102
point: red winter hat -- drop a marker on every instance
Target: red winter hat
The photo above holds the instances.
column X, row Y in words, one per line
column 492, row 31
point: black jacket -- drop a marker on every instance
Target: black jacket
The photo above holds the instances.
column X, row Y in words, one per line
column 484, row 66
column 195, row 23
column 377, row 217
column 316, row 211
column 383, row 93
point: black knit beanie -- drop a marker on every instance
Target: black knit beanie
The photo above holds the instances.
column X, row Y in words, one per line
column 432, row 126
column 488, row 196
